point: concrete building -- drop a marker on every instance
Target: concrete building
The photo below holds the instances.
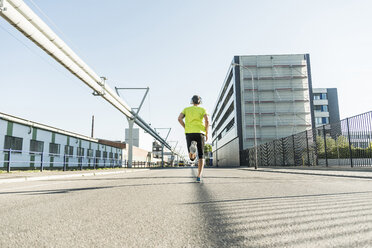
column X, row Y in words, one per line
column 326, row 108
column 263, row 98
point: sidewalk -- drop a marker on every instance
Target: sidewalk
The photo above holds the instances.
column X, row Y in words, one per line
column 22, row 176
column 335, row 171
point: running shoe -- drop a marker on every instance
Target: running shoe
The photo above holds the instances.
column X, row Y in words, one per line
column 193, row 147
column 198, row 179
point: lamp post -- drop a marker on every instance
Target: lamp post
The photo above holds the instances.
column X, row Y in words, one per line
column 254, row 112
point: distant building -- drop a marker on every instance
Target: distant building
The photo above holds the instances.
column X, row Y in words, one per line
column 263, row 98
column 156, row 149
column 157, row 152
column 326, row 108
column 141, row 139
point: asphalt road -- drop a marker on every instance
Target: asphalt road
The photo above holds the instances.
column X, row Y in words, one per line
column 166, row 208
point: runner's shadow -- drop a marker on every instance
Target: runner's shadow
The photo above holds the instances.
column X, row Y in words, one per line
column 72, row 190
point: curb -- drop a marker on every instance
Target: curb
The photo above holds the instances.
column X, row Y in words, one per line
column 41, row 178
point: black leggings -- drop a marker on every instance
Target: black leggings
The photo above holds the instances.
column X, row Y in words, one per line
column 199, row 138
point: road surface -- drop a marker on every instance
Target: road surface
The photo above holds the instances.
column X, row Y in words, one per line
column 167, row 208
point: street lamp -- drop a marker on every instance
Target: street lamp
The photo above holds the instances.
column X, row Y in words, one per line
column 254, row 111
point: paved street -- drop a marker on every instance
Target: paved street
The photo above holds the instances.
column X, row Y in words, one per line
column 166, row 208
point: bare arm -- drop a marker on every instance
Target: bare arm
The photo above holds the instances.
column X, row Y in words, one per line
column 206, row 123
column 180, row 120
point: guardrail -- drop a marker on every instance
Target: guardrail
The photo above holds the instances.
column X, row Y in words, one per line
column 345, row 143
column 20, row 160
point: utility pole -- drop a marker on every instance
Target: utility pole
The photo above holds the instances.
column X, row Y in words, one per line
column 92, row 133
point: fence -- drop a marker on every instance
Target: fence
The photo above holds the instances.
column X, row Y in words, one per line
column 346, row 143
column 20, row 160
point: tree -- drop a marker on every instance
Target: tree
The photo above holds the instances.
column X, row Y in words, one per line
column 207, row 150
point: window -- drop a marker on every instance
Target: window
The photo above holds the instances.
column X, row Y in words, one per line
column 318, row 120
column 325, row 120
column 111, row 155
column 54, row 149
column 89, row 153
column 225, row 116
column 104, row 154
column 13, row 143
column 316, row 96
column 231, row 92
column 69, row 150
column 80, row 151
column 323, row 96
column 36, row 146
column 230, row 125
column 321, row 108
column 324, row 108
column 116, row 156
column 98, row 154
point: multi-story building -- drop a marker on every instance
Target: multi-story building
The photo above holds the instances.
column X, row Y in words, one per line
column 263, row 98
column 325, row 106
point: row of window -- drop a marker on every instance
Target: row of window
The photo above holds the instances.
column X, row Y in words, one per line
column 228, row 127
column 321, row 108
column 320, row 96
column 223, row 119
column 231, row 92
column 223, row 93
column 321, row 120
column 36, row 146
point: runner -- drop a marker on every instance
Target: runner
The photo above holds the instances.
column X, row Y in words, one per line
column 196, row 131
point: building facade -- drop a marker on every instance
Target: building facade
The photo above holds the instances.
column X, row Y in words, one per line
column 33, row 144
column 263, row 98
column 326, row 108
column 28, row 144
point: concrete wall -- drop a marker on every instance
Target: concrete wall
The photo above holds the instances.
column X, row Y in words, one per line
column 227, row 155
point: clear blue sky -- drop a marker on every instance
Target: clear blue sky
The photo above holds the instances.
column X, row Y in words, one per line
column 179, row 48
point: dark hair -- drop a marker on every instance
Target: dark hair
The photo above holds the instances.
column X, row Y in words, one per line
column 196, row 99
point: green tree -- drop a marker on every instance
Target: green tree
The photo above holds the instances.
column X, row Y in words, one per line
column 207, row 150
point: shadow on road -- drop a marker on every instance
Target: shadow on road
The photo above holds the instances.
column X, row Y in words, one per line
column 285, row 221
column 311, row 173
column 278, row 197
column 64, row 191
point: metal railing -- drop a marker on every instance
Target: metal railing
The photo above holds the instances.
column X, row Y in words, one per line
column 30, row 160
column 345, row 143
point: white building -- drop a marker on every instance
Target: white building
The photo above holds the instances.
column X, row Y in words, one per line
column 33, row 144
column 263, row 98
column 326, row 108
